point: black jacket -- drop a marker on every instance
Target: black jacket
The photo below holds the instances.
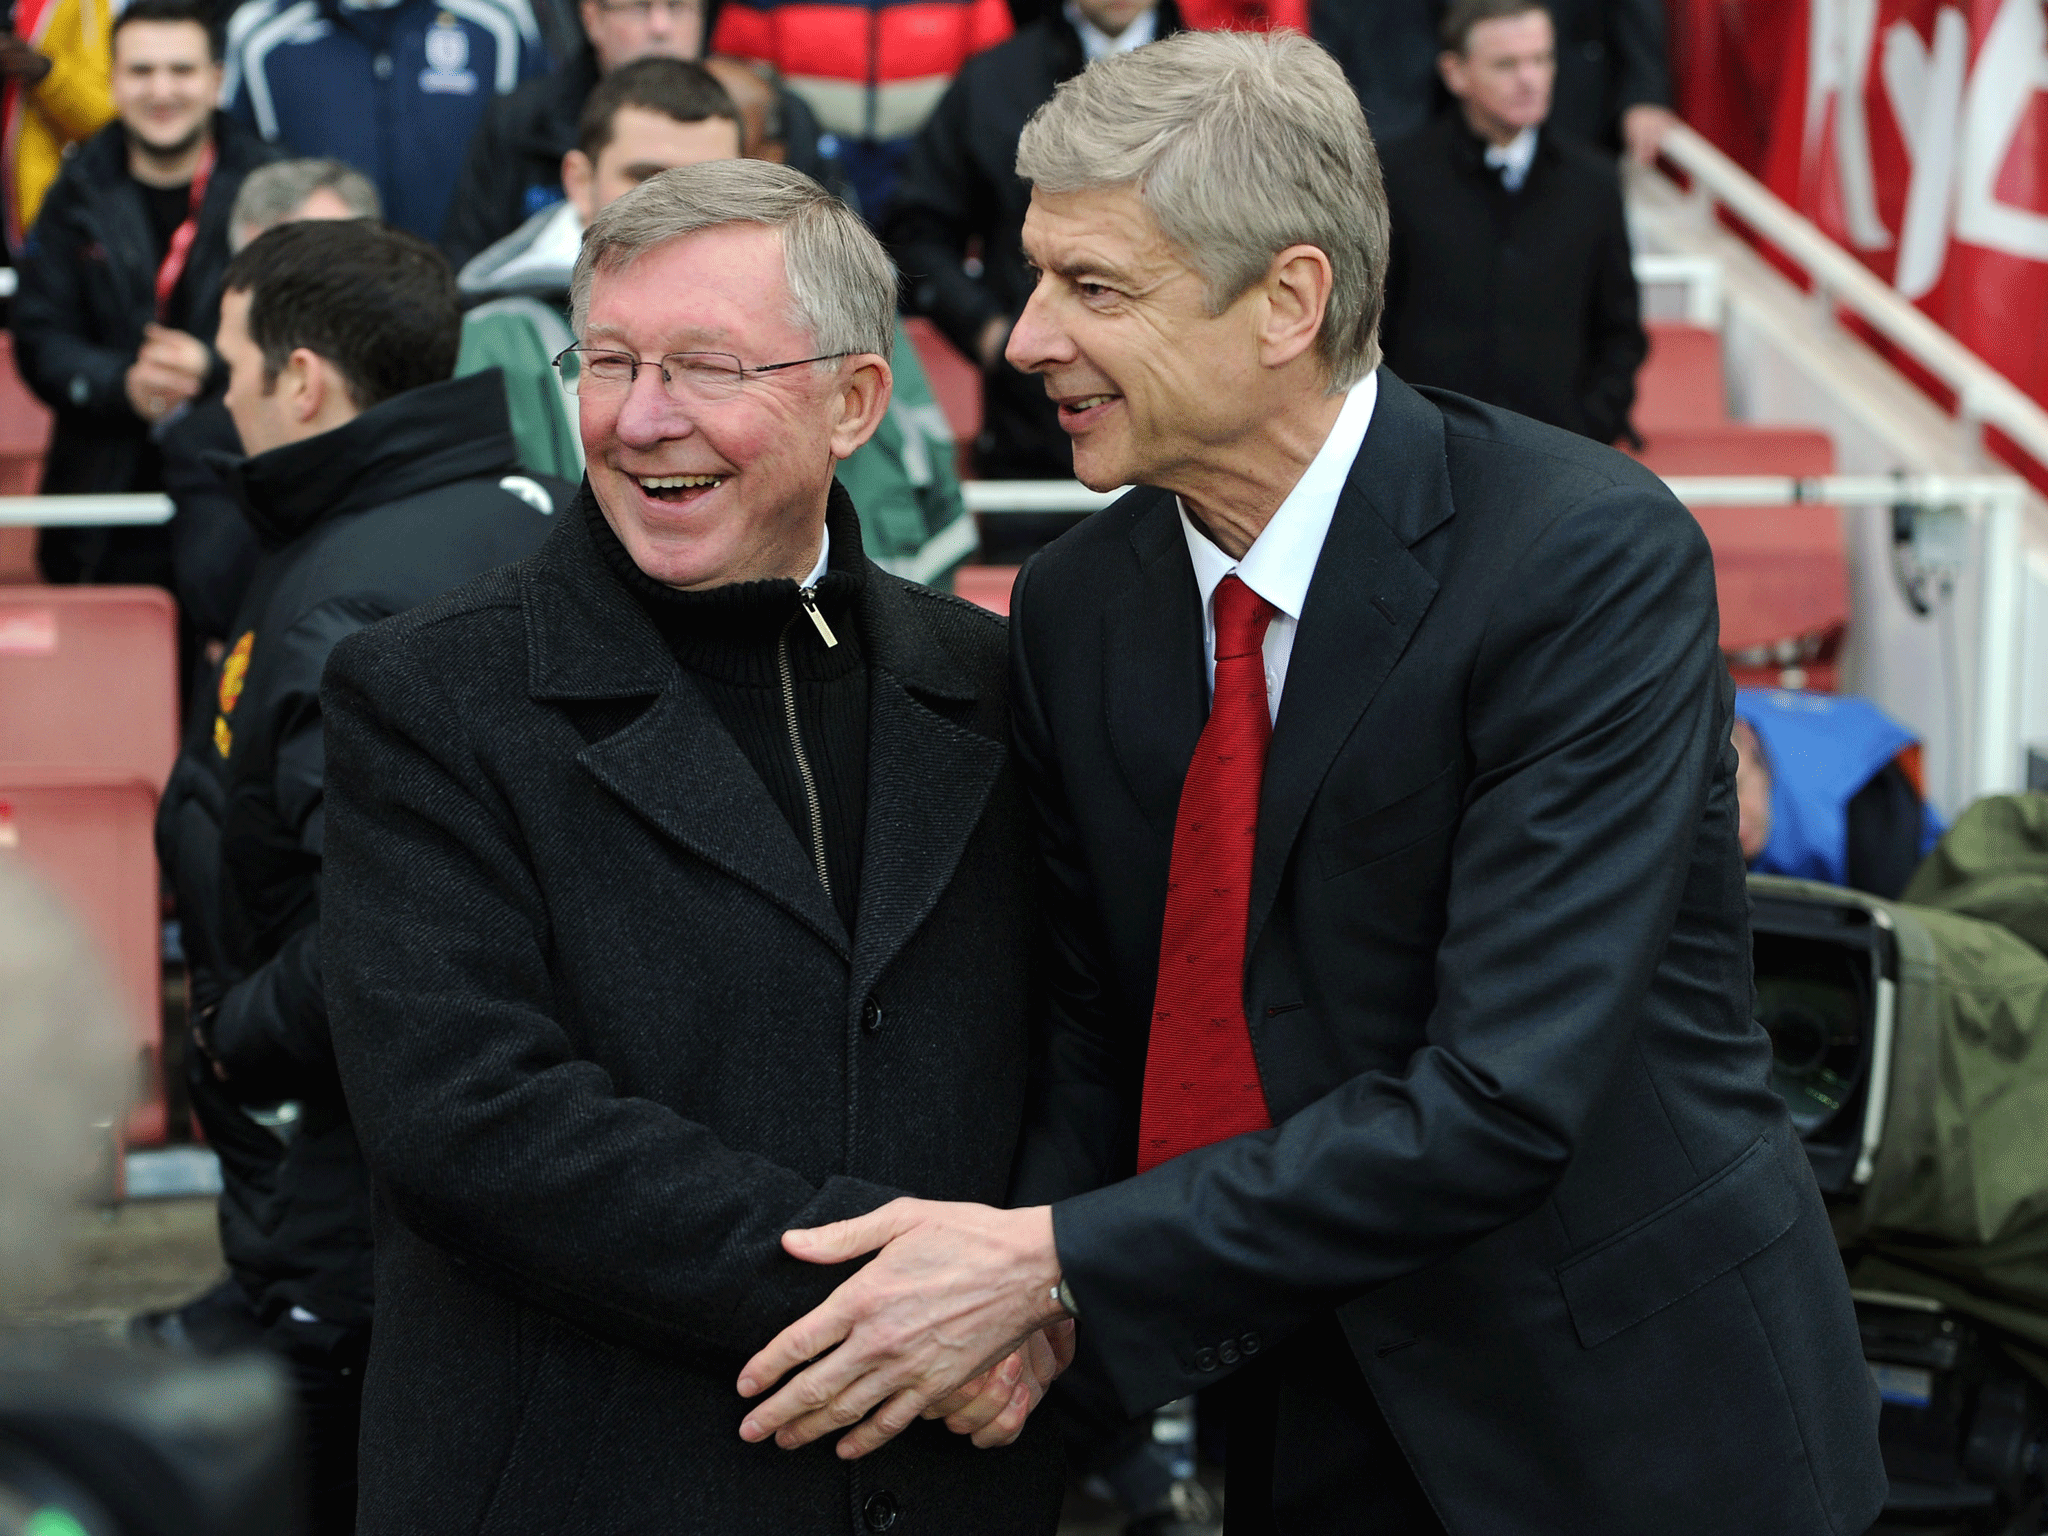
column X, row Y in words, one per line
column 404, row 502
column 1527, row 299
column 960, row 185
column 606, row 1039
column 1498, row 984
column 514, row 167
column 214, row 548
column 88, row 287
column 1611, row 55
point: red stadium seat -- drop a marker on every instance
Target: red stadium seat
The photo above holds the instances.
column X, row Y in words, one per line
column 956, row 385
column 988, row 585
column 88, row 730
column 24, row 435
column 1680, row 384
column 90, row 834
column 1781, row 573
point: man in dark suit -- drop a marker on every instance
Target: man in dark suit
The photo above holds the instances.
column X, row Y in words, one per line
column 678, row 893
column 1511, row 279
column 1398, row 1069
column 1613, row 66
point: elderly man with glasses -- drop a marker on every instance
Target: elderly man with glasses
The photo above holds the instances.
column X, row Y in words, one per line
column 678, row 895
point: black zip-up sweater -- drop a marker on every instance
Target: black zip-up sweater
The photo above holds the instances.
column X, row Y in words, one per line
column 733, row 641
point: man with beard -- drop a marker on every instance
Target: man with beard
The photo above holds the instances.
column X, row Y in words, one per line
column 121, row 280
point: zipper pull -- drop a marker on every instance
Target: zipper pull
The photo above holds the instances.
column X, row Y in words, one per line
column 808, row 598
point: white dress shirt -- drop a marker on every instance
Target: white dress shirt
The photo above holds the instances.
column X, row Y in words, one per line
column 1098, row 44
column 818, row 571
column 1513, row 158
column 1282, row 559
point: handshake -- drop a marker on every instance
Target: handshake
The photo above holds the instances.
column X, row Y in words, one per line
column 956, row 1318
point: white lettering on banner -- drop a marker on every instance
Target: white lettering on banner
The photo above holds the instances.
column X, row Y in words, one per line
column 1957, row 126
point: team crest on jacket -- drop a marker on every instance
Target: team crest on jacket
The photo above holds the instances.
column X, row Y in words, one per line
column 447, row 72
column 234, row 672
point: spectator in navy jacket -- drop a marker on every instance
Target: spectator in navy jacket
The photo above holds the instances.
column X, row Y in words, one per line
column 395, row 90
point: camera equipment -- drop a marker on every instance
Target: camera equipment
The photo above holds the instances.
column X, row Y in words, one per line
column 1892, row 1028
column 98, row 1441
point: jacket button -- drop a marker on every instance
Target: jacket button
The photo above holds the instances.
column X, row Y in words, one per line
column 879, row 1513
column 1205, row 1359
column 1227, row 1352
column 1249, row 1344
column 871, row 1021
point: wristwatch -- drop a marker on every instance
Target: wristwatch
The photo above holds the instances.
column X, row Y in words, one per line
column 1064, row 1298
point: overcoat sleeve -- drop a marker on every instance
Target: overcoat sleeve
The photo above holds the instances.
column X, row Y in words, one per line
column 1596, row 713
column 1617, row 344
column 487, row 1134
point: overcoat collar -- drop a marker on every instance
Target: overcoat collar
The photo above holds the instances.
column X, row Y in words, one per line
column 1365, row 603
column 678, row 767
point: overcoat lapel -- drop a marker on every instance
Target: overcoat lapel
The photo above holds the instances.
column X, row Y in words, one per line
column 928, row 779
column 676, row 766
column 1155, row 687
column 1365, row 602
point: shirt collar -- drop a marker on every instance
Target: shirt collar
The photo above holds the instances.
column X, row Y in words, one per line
column 824, row 554
column 1098, row 44
column 1282, row 560
column 1515, row 156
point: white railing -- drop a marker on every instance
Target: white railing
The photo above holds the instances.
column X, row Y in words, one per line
column 1984, row 396
column 127, row 511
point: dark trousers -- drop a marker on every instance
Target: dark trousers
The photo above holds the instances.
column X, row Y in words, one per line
column 1308, row 1452
column 327, row 1367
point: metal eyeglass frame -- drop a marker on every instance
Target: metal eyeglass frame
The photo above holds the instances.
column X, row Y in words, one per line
column 739, row 369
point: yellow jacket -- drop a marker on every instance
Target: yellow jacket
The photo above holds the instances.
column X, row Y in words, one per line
column 71, row 103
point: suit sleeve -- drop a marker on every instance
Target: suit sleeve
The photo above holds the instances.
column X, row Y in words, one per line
column 939, row 206
column 473, row 1107
column 1594, row 719
column 1617, row 346
column 1642, row 54
column 1081, row 1128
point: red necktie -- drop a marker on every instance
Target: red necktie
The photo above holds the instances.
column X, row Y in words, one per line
column 1201, row 1080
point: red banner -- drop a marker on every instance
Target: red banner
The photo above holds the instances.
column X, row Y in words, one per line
column 1915, row 132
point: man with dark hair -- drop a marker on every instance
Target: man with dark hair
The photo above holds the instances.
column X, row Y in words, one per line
column 650, row 116
column 375, row 481
column 1511, row 279
column 121, row 280
column 514, row 166
column 960, row 188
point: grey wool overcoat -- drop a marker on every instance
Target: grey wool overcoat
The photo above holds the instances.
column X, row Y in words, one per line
column 605, row 1039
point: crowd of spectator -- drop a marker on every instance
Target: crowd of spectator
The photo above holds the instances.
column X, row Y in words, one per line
column 150, row 147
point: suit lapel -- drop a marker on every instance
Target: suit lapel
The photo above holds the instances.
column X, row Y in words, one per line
column 676, row 766
column 1365, row 602
column 929, row 779
column 1155, row 689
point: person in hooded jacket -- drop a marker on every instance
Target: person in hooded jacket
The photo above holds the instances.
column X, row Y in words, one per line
column 375, row 481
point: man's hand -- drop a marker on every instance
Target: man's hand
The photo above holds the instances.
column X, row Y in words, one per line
column 19, row 60
column 988, row 346
column 176, row 351
column 170, row 370
column 954, row 1290
column 992, row 1408
column 1643, row 128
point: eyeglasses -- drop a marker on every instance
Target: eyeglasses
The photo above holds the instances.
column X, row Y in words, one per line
column 640, row 10
column 701, row 376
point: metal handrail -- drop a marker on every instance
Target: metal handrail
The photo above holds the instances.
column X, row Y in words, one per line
column 1984, row 396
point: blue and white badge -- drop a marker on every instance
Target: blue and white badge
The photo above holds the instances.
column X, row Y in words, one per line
column 448, row 72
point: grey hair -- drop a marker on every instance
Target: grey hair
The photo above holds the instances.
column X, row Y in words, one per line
column 273, row 193
column 841, row 282
column 1241, row 144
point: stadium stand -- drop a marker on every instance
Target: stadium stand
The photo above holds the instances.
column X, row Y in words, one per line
column 24, row 435
column 88, row 729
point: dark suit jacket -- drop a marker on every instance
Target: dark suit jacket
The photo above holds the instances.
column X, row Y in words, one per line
column 1611, row 55
column 1498, row 983
column 1524, row 299
column 606, row 1039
